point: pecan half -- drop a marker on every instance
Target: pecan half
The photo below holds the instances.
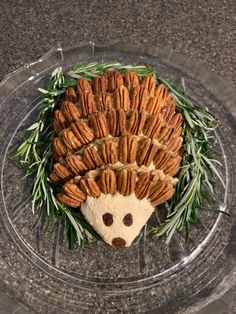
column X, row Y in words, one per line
column 70, row 139
column 82, row 131
column 115, row 80
column 155, row 105
column 165, row 134
column 176, row 121
column 75, row 164
column 68, row 200
column 139, row 98
column 103, row 102
column 71, row 95
column 172, row 167
column 146, row 152
column 100, row 84
column 87, row 103
column 168, row 111
column 162, row 92
column 160, row 192
column 90, row 187
column 150, row 83
column 136, row 122
column 59, row 121
column 107, row 182
column 175, row 143
column 59, row 147
column 109, row 152
column 62, row 172
column 84, row 86
column 99, row 125
column 153, row 126
column 70, row 111
column 117, row 122
column 131, row 80
column 91, row 158
column 143, row 184
column 162, row 157
column 126, row 182
column 127, row 149
column 121, row 97
column 73, row 191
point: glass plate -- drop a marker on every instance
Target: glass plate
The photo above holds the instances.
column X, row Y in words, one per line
column 147, row 276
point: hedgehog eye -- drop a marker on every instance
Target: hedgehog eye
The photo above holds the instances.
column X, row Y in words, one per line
column 128, row 220
column 107, row 219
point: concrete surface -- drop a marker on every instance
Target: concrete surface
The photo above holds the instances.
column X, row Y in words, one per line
column 203, row 29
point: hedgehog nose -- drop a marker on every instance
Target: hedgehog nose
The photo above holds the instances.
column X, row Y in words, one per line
column 118, row 243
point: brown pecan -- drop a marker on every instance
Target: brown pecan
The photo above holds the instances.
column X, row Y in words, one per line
column 71, row 95
column 162, row 157
column 91, row 158
column 153, row 126
column 172, row 167
column 82, row 131
column 115, row 80
column 127, row 149
column 75, row 164
column 109, row 152
column 68, row 200
column 59, row 121
column 73, row 191
column 87, row 103
column 155, row 105
column 175, row 143
column 107, row 182
column 103, row 102
column 90, row 187
column 162, row 92
column 131, row 80
column 62, row 172
column 126, row 182
column 59, row 147
column 136, row 122
column 84, row 86
column 55, row 178
column 117, row 122
column 70, row 139
column 146, row 152
column 139, row 98
column 168, row 111
column 100, row 84
column 70, row 111
column 99, row 125
column 121, row 98
column 165, row 134
column 176, row 121
column 160, row 192
column 143, row 185
column 150, row 83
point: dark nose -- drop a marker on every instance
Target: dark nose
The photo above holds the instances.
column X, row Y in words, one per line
column 118, row 243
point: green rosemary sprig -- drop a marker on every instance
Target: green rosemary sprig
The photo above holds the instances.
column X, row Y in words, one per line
column 36, row 156
column 92, row 70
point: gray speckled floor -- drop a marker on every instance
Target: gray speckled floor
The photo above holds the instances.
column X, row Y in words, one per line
column 203, row 29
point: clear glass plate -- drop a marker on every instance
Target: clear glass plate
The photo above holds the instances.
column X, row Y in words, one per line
column 147, row 276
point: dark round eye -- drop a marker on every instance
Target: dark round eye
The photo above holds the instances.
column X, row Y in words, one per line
column 107, row 219
column 128, row 220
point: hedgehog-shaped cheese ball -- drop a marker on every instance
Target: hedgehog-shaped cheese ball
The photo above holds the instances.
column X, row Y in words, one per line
column 117, row 151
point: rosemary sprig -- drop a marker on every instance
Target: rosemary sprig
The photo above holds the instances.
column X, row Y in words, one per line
column 36, row 156
column 194, row 177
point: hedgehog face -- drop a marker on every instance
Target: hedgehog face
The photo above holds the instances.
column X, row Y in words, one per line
column 117, row 219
